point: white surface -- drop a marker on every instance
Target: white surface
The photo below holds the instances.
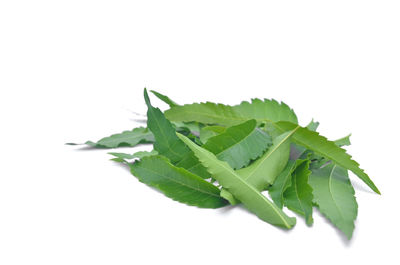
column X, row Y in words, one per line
column 72, row 71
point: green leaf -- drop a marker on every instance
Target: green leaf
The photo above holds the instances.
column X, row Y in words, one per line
column 120, row 157
column 298, row 197
column 264, row 170
column 187, row 126
column 282, row 182
column 334, row 195
column 164, row 98
column 266, row 110
column 210, row 131
column 345, row 141
column 132, row 138
column 328, row 149
column 251, row 198
column 166, row 141
column 177, row 183
column 239, row 144
column 168, row 144
column 211, row 113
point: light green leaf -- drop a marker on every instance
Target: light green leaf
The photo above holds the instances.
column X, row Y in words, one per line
column 132, row 138
column 211, row 113
column 264, row 170
column 239, row 144
column 298, row 197
column 251, row 198
column 265, row 110
column 186, row 126
column 177, row 183
column 210, row 131
column 282, row 182
column 168, row 144
column 343, row 141
column 120, row 157
column 164, row 98
column 334, row 195
column 327, row 149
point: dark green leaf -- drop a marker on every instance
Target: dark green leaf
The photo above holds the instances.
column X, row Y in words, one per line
column 164, row 98
column 298, row 196
column 239, row 144
column 177, row 183
column 168, row 144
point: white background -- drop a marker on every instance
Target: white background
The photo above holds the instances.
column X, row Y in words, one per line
column 74, row 70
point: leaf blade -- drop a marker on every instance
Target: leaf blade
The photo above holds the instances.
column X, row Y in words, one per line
column 239, row 144
column 139, row 135
column 334, row 195
column 212, row 113
column 298, row 197
column 328, row 149
column 246, row 193
column 265, row 169
column 177, row 183
column 168, row 144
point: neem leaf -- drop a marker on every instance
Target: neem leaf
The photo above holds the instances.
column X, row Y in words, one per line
column 334, row 195
column 282, row 182
column 164, row 98
column 265, row 110
column 168, row 144
column 239, row 144
column 298, row 197
column 251, row 198
column 328, row 149
column 177, row 183
column 132, row 138
column 120, row 157
column 210, row 131
column 264, row 170
column 211, row 113
column 343, row 141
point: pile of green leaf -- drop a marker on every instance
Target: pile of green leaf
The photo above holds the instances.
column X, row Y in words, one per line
column 210, row 155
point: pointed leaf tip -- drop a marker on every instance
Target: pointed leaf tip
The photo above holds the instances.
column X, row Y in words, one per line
column 146, row 98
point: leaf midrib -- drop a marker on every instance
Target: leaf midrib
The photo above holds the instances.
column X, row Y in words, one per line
column 224, row 165
column 272, row 151
column 331, row 193
column 181, row 183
